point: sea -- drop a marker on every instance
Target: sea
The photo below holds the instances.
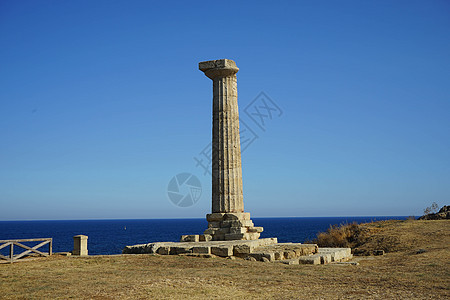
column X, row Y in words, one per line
column 107, row 237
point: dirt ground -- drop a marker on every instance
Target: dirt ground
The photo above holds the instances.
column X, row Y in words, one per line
column 405, row 273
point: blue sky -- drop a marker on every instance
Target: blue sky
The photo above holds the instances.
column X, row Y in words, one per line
column 102, row 103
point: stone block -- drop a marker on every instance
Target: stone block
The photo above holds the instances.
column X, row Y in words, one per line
column 180, row 250
column 279, row 255
column 250, row 258
column 201, row 250
column 305, row 249
column 215, row 217
column 190, row 238
column 223, row 251
column 218, row 237
column 256, row 229
column 163, row 250
column 242, row 250
column 337, row 254
column 235, row 236
column 325, row 259
column 217, row 64
column 238, row 229
column 237, row 223
column 205, row 238
column 289, row 254
column 293, row 261
column 236, row 216
column 310, row 260
column 223, row 231
column 214, row 224
column 80, row 245
column 252, row 236
column 211, row 231
column 260, row 255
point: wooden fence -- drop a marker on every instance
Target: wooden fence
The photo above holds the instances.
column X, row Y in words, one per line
column 12, row 258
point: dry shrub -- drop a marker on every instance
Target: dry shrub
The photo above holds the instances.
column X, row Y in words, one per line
column 346, row 235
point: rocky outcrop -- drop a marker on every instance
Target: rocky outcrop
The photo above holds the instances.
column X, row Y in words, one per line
column 443, row 214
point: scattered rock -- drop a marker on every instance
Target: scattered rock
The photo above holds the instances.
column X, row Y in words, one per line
column 378, row 252
column 420, row 251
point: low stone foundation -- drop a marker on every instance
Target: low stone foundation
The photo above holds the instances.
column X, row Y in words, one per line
column 258, row 250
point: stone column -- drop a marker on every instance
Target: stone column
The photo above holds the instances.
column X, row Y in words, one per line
column 227, row 220
column 227, row 193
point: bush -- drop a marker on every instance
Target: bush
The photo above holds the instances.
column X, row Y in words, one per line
column 343, row 236
column 431, row 209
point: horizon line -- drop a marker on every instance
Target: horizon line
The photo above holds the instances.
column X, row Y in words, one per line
column 195, row 218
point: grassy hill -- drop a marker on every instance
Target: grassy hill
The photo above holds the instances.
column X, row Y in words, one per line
column 416, row 266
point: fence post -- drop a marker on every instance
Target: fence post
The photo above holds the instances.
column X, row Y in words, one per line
column 80, row 245
column 11, row 253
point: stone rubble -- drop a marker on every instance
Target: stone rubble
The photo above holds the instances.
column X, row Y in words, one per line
column 266, row 250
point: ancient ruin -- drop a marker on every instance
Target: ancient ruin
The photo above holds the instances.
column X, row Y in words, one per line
column 231, row 233
column 227, row 220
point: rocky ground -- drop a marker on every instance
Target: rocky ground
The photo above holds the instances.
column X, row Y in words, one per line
column 416, row 266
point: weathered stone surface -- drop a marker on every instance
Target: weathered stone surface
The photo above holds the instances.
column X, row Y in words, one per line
column 237, row 216
column 237, row 223
column 227, row 191
column 325, row 258
column 223, row 250
column 214, row 225
column 163, row 250
column 215, row 217
column 201, row 250
column 294, row 261
column 205, row 238
column 238, row 229
column 175, row 250
column 235, row 236
column 255, row 229
column 227, row 196
column 337, row 254
column 279, row 255
column 311, row 260
column 190, row 238
column 259, row 250
column 289, row 254
column 80, row 245
column 211, row 231
column 260, row 255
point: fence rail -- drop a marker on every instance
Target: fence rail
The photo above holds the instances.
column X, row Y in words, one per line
column 12, row 258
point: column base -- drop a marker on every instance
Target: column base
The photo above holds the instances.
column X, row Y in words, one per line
column 231, row 226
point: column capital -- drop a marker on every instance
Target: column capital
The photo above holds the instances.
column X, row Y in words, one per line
column 218, row 68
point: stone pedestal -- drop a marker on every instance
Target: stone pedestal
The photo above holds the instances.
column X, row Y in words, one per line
column 80, row 245
column 227, row 220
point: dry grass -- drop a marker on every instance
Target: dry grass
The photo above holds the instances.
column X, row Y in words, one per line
column 398, row 275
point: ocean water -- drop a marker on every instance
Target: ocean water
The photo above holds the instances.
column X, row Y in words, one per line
column 111, row 236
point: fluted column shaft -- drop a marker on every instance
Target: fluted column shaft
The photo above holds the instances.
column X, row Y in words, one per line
column 227, row 192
